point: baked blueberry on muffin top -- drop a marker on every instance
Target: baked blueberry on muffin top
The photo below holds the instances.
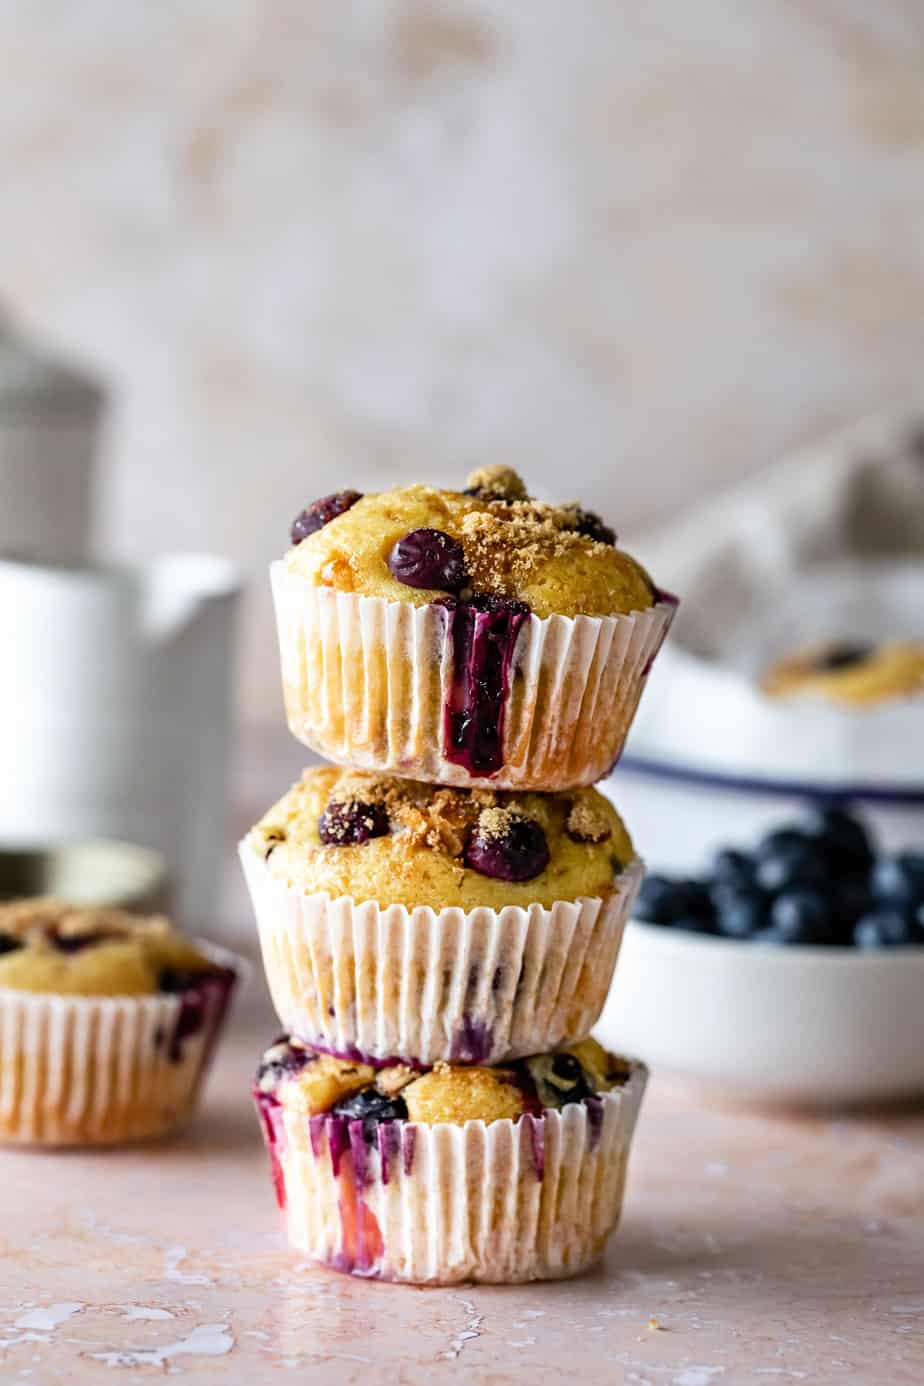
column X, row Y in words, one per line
column 375, row 837
column 420, row 544
column 47, row 945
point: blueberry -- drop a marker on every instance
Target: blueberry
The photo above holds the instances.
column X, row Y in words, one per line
column 884, row 929
column 321, row 512
column 589, row 524
column 351, row 822
column 801, row 916
column 850, row 900
column 176, row 980
column 570, row 1079
column 842, row 837
column 662, row 900
column 899, row 880
column 283, row 1058
column 787, row 859
column 731, row 867
column 76, row 943
column 741, row 912
column 518, row 852
column 843, row 655
column 370, row 1107
column 428, row 558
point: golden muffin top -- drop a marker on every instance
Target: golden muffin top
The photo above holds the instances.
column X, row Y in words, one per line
column 310, row 1083
column 850, row 673
column 47, row 945
column 401, row 842
column 419, row 544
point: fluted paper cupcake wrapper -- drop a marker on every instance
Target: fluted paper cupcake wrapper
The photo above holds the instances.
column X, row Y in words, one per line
column 366, row 683
column 98, row 1070
column 480, row 986
column 534, row 1199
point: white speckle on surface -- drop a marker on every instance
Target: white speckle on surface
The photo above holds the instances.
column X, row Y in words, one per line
column 534, row 1314
column 468, row 1334
column 172, row 1258
column 780, row 1371
column 696, row 1376
column 145, row 1311
column 522, row 1342
column 205, row 1340
column 88, row 1221
column 906, row 1309
column 715, row 1169
column 48, row 1317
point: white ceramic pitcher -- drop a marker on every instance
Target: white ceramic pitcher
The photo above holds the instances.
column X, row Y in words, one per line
column 115, row 703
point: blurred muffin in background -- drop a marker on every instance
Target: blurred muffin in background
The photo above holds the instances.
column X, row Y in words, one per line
column 849, row 672
column 107, row 1022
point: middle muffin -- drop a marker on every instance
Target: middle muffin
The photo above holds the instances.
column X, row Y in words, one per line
column 404, row 920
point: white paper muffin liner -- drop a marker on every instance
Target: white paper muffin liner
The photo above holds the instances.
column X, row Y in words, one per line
column 509, row 1201
column 366, row 680
column 99, row 1070
column 480, row 986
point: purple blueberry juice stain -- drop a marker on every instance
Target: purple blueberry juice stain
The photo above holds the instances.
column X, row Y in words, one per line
column 673, row 602
column 358, row 1056
column 594, row 1107
column 270, row 1114
column 338, row 1141
column 472, row 1042
column 203, row 998
column 408, row 1143
column 389, row 1136
column 360, row 1153
column 483, row 632
column 535, row 1127
column 316, row 1132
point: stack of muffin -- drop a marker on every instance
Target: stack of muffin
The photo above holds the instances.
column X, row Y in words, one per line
column 440, row 918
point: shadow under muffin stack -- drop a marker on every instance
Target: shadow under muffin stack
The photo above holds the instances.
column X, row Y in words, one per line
column 440, row 912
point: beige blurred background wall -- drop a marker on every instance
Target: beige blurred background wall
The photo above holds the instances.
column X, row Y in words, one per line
column 634, row 249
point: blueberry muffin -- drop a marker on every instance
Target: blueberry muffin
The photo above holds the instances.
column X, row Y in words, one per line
column 400, row 918
column 850, row 673
column 108, row 1021
column 452, row 1172
column 466, row 637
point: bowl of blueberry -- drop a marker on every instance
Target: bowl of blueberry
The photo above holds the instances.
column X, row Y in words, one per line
column 790, row 971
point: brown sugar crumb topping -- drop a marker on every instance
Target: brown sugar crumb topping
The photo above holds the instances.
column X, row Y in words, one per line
column 587, row 824
column 496, row 483
column 506, row 543
column 494, row 823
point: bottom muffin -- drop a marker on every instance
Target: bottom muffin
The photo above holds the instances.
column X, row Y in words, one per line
column 452, row 1173
column 107, row 1023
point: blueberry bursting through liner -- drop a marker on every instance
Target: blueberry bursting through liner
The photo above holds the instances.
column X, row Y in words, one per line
column 375, row 1114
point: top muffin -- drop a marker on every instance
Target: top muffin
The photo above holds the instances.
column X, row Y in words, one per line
column 47, row 945
column 419, row 544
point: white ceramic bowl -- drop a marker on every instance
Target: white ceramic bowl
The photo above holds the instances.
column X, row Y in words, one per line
column 773, row 1024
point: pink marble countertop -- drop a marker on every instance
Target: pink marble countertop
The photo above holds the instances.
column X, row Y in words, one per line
column 754, row 1248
